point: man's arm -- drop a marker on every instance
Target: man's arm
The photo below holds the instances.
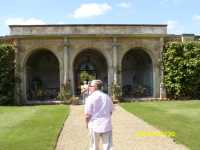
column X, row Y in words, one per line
column 111, row 105
column 83, row 90
column 87, row 119
column 88, row 111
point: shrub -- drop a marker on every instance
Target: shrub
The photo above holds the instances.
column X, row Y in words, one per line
column 116, row 91
column 65, row 93
column 85, row 76
column 181, row 63
column 7, row 78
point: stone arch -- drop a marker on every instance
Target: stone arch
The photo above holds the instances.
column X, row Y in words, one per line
column 147, row 50
column 137, row 73
column 94, row 63
column 42, row 75
column 105, row 53
column 29, row 53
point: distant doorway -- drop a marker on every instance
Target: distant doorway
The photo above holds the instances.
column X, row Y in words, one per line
column 90, row 64
column 137, row 74
column 42, row 76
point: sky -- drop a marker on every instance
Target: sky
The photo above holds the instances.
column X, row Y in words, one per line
column 181, row 16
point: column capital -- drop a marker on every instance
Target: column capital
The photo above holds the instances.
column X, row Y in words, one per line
column 161, row 39
column 114, row 39
column 114, row 42
column 66, row 42
column 16, row 42
column 16, row 45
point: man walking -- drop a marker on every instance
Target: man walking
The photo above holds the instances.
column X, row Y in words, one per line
column 98, row 111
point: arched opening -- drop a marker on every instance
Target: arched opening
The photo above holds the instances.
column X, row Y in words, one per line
column 42, row 76
column 90, row 64
column 137, row 74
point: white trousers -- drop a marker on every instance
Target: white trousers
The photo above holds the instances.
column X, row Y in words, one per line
column 95, row 139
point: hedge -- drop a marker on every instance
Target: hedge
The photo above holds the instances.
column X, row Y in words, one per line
column 181, row 63
column 7, row 78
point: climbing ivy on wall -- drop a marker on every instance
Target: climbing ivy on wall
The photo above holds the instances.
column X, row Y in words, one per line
column 7, row 74
column 181, row 63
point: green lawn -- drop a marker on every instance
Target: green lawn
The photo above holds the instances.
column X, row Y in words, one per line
column 183, row 117
column 31, row 127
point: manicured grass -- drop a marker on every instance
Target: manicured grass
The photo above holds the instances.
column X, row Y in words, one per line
column 31, row 127
column 183, row 117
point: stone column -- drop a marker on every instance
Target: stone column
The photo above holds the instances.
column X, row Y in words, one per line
column 114, row 57
column 115, row 63
column 68, row 72
column 162, row 86
column 110, row 78
column 66, row 60
column 17, row 73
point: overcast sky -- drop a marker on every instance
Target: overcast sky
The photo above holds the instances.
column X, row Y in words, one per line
column 182, row 16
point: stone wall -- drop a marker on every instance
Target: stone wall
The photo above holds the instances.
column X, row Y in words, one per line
column 76, row 45
column 66, row 42
column 86, row 29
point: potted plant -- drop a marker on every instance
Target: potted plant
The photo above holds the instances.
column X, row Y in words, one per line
column 116, row 92
column 65, row 93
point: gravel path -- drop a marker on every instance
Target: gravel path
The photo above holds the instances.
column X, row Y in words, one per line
column 74, row 135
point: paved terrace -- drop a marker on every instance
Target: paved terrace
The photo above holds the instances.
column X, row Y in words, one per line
column 74, row 135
